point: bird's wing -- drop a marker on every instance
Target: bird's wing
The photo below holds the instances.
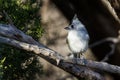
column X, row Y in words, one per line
column 67, row 41
column 84, row 33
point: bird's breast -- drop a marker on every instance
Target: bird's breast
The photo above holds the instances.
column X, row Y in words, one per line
column 76, row 42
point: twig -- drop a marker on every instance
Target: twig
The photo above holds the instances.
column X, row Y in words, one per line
column 106, row 58
column 113, row 41
column 8, row 18
column 109, row 39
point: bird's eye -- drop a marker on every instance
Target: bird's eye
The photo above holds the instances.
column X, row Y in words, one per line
column 72, row 26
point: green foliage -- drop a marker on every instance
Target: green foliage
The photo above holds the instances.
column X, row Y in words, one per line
column 24, row 14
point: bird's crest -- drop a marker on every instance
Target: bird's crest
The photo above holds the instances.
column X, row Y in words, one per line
column 75, row 16
column 75, row 21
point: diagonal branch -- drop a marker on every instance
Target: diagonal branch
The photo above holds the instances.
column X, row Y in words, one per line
column 8, row 18
column 51, row 56
column 80, row 70
column 14, row 37
column 106, row 4
column 14, row 33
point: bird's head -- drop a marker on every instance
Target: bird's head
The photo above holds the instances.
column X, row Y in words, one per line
column 75, row 25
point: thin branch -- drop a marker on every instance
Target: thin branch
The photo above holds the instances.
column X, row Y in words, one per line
column 113, row 41
column 106, row 58
column 8, row 18
column 109, row 39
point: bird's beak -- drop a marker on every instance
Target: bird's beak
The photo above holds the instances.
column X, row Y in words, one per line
column 67, row 28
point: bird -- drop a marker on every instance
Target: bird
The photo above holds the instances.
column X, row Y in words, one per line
column 77, row 38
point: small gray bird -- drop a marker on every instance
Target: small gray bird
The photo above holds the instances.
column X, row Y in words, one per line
column 77, row 38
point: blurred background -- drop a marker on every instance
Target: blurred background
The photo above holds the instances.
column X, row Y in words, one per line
column 45, row 21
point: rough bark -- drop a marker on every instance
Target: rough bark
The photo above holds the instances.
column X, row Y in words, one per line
column 25, row 42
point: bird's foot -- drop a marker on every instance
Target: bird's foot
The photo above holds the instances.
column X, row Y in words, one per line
column 71, row 57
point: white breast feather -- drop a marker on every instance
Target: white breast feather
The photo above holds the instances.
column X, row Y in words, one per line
column 77, row 44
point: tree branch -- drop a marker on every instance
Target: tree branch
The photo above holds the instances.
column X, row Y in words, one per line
column 102, row 66
column 83, row 68
column 12, row 32
column 52, row 56
column 106, row 4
